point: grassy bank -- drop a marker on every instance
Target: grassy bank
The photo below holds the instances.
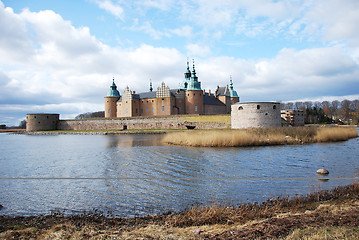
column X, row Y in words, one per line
column 260, row 136
column 320, row 215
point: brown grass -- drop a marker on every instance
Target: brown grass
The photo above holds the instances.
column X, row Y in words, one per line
column 259, row 136
column 320, row 215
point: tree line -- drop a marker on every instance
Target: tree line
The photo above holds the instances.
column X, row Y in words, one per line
column 345, row 112
column 99, row 114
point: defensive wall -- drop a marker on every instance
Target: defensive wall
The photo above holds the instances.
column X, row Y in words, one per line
column 175, row 122
column 255, row 114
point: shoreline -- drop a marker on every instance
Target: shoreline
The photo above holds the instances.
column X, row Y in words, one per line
column 335, row 211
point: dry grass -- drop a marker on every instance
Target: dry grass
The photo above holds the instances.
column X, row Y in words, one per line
column 259, row 136
column 321, row 215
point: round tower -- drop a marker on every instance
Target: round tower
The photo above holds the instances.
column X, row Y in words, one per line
column 194, row 95
column 110, row 101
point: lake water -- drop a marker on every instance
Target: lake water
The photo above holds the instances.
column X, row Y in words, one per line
column 136, row 175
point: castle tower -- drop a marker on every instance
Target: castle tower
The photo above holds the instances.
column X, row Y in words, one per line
column 194, row 95
column 110, row 101
column 233, row 93
column 187, row 78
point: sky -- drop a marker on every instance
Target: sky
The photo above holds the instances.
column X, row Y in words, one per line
column 60, row 56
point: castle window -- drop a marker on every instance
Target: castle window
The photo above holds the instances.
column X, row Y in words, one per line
column 258, row 107
column 179, row 101
column 163, row 108
column 136, row 110
column 47, row 117
column 274, row 107
column 194, row 94
column 195, row 108
column 153, row 110
column 179, row 110
column 126, row 110
column 188, row 94
column 163, row 99
column 109, row 111
column 187, row 108
column 147, row 110
column 152, row 101
column 240, row 108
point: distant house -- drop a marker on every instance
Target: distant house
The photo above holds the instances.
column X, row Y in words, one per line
column 189, row 98
column 293, row 117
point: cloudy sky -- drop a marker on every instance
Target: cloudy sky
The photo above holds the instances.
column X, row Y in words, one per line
column 61, row 55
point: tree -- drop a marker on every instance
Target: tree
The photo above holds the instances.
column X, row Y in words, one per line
column 344, row 111
column 99, row 114
column 22, row 124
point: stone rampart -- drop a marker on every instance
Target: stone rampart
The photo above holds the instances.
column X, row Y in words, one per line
column 135, row 123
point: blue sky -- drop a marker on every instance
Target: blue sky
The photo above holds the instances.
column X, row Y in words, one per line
column 61, row 56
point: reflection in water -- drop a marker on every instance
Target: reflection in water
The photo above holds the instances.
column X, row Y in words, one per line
column 132, row 175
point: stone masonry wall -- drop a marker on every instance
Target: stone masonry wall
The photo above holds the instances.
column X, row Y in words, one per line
column 135, row 123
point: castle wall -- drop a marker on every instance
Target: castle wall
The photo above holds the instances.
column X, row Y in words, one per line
column 135, row 123
column 41, row 121
column 214, row 109
column 164, row 106
column 255, row 114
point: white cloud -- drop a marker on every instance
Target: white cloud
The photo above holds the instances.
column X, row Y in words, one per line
column 114, row 9
column 163, row 5
column 47, row 64
column 198, row 50
column 185, row 31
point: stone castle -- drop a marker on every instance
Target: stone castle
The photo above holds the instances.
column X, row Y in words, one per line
column 189, row 98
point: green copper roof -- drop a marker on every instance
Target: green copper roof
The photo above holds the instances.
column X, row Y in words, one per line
column 193, row 83
column 113, row 92
column 187, row 76
column 232, row 92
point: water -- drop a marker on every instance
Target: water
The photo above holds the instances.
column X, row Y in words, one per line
column 136, row 175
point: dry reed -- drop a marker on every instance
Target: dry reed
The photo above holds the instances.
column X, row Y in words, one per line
column 259, row 136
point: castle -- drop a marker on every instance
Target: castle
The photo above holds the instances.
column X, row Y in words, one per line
column 189, row 98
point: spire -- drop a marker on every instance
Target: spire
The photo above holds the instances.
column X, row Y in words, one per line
column 193, row 83
column 230, row 83
column 151, row 86
column 194, row 70
column 232, row 92
column 113, row 92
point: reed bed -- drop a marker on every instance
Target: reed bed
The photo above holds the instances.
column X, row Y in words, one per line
column 259, row 136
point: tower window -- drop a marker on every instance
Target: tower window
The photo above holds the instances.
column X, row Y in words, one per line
column 163, row 108
column 195, row 108
column 240, row 108
column 109, row 111
column 274, row 107
column 258, row 107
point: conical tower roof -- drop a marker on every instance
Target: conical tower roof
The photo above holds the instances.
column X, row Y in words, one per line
column 113, row 91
